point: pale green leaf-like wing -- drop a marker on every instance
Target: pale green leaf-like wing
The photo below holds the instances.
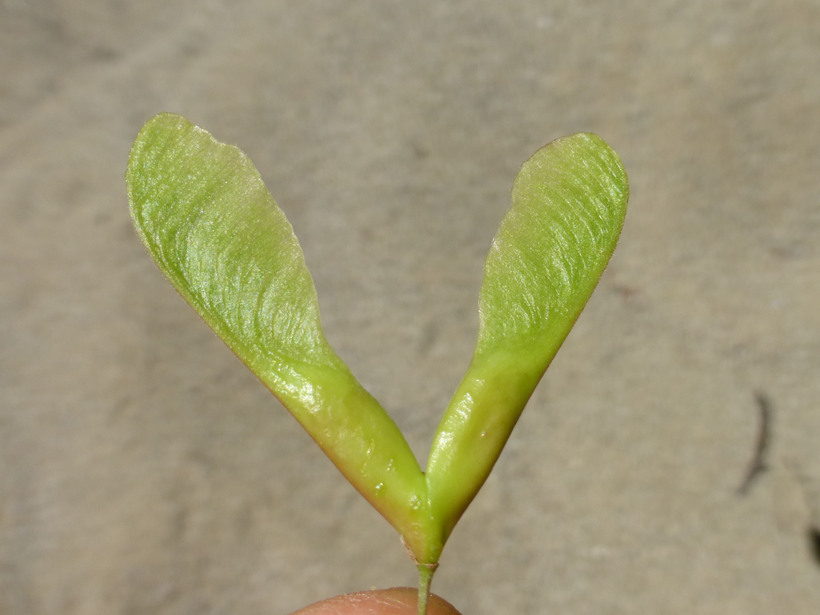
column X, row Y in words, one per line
column 206, row 218
column 568, row 207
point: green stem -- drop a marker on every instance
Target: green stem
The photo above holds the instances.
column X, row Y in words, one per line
column 426, row 572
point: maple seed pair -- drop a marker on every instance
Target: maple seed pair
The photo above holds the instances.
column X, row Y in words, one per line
column 205, row 216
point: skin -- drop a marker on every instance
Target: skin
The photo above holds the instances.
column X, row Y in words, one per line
column 395, row 601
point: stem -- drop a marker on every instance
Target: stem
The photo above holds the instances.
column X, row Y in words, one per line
column 425, row 578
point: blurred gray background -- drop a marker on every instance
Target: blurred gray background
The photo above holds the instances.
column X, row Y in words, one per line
column 143, row 469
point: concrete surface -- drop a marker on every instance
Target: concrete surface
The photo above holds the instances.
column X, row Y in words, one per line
column 144, row 470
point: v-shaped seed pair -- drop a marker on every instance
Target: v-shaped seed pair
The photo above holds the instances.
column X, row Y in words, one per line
column 213, row 228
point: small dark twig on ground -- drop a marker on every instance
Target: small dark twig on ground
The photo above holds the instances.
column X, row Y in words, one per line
column 758, row 463
column 814, row 544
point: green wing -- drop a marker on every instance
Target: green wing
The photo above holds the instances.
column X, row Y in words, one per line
column 568, row 207
column 205, row 216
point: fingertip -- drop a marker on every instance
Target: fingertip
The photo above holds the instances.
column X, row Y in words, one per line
column 395, row 601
